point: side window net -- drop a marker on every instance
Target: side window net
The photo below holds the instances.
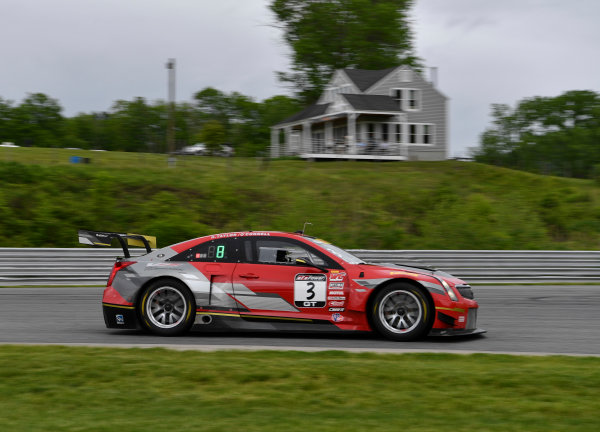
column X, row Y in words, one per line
column 282, row 252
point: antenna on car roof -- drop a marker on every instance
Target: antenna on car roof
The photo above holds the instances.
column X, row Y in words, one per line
column 304, row 227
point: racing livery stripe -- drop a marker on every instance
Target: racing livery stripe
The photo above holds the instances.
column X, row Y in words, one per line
column 112, row 296
column 449, row 309
column 370, row 283
column 237, row 315
column 117, row 306
column 265, row 301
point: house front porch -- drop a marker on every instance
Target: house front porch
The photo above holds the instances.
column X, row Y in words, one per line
column 348, row 136
column 345, row 150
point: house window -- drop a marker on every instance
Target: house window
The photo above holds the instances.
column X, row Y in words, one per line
column 384, row 132
column 412, row 134
column 414, row 99
column 407, row 99
column 397, row 95
column 339, row 133
column 398, row 133
column 371, row 132
column 426, row 134
column 421, row 134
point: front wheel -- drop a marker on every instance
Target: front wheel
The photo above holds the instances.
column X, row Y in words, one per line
column 401, row 312
column 167, row 308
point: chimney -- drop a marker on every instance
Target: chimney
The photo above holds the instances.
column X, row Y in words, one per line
column 433, row 76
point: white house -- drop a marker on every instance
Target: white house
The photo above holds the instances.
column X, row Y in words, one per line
column 391, row 114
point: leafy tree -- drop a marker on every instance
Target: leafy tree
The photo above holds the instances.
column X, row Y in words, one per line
column 246, row 123
column 37, row 121
column 6, row 120
column 329, row 35
column 255, row 136
column 213, row 135
column 552, row 135
column 131, row 124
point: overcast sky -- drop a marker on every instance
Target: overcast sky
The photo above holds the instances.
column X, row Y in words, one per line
column 90, row 53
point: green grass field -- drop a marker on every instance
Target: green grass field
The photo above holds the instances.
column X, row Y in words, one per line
column 96, row 389
column 44, row 200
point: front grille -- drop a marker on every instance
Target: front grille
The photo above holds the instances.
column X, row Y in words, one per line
column 471, row 319
column 465, row 291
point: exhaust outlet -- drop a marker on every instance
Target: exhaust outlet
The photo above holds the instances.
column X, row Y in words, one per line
column 205, row 319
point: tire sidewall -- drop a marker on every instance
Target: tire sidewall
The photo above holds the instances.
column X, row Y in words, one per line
column 425, row 321
column 190, row 313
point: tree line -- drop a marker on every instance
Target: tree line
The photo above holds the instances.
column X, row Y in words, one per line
column 141, row 126
column 548, row 135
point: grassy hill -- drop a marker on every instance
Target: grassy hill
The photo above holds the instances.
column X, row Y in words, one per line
column 45, row 199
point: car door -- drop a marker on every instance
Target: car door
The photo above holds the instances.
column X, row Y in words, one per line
column 272, row 284
column 210, row 279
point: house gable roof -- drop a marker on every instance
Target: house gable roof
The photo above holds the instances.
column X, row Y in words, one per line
column 308, row 112
column 362, row 102
column 363, row 79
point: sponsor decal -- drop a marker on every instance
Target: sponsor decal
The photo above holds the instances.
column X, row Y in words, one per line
column 336, row 303
column 336, row 317
column 310, row 277
column 310, row 290
column 336, row 298
column 336, row 285
column 337, row 276
column 120, row 319
column 337, row 309
column 461, row 319
column 240, row 234
column 336, row 293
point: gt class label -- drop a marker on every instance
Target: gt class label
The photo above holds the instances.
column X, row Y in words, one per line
column 310, row 290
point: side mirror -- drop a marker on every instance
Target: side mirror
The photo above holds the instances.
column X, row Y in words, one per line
column 305, row 261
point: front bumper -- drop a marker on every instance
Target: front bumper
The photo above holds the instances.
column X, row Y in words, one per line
column 456, row 321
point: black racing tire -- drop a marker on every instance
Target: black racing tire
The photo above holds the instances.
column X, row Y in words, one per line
column 401, row 312
column 167, row 307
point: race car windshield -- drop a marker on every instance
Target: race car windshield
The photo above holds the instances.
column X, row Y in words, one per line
column 338, row 252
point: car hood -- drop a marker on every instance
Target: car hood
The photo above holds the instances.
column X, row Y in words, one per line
column 389, row 269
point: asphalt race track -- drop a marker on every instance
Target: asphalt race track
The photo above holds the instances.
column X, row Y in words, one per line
column 519, row 319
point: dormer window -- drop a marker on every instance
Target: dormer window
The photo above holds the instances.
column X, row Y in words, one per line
column 414, row 99
column 397, row 94
column 407, row 99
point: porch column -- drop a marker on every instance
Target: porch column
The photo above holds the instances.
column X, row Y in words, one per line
column 288, row 143
column 306, row 146
column 274, row 142
column 329, row 144
column 351, row 133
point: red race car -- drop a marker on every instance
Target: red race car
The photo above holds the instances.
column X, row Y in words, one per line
column 277, row 281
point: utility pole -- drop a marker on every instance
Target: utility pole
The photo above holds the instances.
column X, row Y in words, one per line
column 171, row 120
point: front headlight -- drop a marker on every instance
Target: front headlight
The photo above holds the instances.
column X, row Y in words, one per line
column 449, row 290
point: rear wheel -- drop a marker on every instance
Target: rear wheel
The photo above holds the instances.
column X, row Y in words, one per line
column 401, row 312
column 167, row 308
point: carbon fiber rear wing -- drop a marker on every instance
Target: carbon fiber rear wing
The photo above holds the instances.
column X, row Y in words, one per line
column 104, row 239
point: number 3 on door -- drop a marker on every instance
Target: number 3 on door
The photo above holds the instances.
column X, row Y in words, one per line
column 310, row 290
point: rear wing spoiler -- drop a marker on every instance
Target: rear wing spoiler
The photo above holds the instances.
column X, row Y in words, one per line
column 104, row 239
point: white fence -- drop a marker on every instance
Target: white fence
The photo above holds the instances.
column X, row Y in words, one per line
column 90, row 266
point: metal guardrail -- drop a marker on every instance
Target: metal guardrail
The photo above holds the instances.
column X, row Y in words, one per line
column 89, row 266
